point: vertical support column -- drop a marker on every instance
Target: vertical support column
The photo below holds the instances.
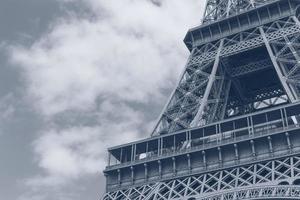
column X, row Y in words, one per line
column 174, row 143
column 159, row 169
column 270, row 145
column 236, row 151
column 204, row 159
column 255, row 174
column 286, row 118
column 132, row 174
column 121, row 155
column 119, row 176
column 174, row 166
column 189, row 162
column 282, row 117
column 211, row 80
column 253, row 149
column 282, row 79
column 147, row 148
column 249, row 125
column 273, row 171
column 288, row 142
column 158, row 146
column 220, row 156
column 190, row 138
column 292, row 167
column 134, row 152
column 146, row 172
column 161, row 146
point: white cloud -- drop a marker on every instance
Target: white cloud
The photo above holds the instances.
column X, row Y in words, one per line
column 126, row 54
column 79, row 150
column 8, row 103
column 129, row 55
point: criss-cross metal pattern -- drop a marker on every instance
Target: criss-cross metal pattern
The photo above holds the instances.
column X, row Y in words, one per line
column 201, row 97
column 259, row 192
column 218, row 9
column 245, row 57
column 226, row 183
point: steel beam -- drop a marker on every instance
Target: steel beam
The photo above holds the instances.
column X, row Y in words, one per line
column 281, row 77
column 211, row 80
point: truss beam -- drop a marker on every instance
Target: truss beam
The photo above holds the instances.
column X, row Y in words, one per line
column 248, row 180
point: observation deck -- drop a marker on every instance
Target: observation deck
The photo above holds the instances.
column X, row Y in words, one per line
column 261, row 136
column 242, row 21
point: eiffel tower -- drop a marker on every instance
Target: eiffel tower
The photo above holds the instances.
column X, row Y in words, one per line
column 231, row 128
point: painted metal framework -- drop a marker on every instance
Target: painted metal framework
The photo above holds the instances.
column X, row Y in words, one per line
column 231, row 128
column 267, row 179
column 218, row 9
column 202, row 95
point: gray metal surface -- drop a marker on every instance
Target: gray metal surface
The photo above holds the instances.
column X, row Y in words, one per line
column 231, row 128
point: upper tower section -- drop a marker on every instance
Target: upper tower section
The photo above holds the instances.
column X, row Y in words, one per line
column 244, row 58
column 224, row 16
column 220, row 9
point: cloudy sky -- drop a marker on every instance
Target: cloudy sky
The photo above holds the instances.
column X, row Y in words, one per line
column 77, row 76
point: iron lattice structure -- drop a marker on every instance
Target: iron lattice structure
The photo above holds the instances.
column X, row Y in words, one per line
column 231, row 128
column 244, row 182
column 201, row 96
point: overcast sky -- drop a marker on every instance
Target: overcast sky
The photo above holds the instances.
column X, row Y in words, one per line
column 76, row 77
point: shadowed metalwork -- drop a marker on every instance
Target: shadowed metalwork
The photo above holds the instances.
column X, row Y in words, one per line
column 230, row 129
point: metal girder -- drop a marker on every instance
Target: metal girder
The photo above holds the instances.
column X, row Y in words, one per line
column 250, row 68
column 212, row 77
column 189, row 93
column 281, row 77
column 247, row 180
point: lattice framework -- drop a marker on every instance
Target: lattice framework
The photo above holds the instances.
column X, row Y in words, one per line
column 218, row 9
column 204, row 185
column 201, row 95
